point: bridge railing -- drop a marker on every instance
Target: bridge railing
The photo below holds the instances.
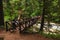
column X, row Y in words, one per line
column 22, row 24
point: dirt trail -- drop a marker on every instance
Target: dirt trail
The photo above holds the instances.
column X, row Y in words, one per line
column 17, row 36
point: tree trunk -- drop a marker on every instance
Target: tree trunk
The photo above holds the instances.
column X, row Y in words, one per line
column 42, row 20
column 1, row 13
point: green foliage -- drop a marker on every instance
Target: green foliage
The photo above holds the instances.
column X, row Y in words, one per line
column 53, row 36
column 32, row 8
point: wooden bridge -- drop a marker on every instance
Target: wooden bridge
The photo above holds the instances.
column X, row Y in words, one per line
column 23, row 24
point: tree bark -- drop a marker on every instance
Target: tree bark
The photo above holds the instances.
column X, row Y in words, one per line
column 1, row 13
column 42, row 20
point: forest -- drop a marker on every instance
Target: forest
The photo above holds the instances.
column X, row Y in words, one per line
column 31, row 16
